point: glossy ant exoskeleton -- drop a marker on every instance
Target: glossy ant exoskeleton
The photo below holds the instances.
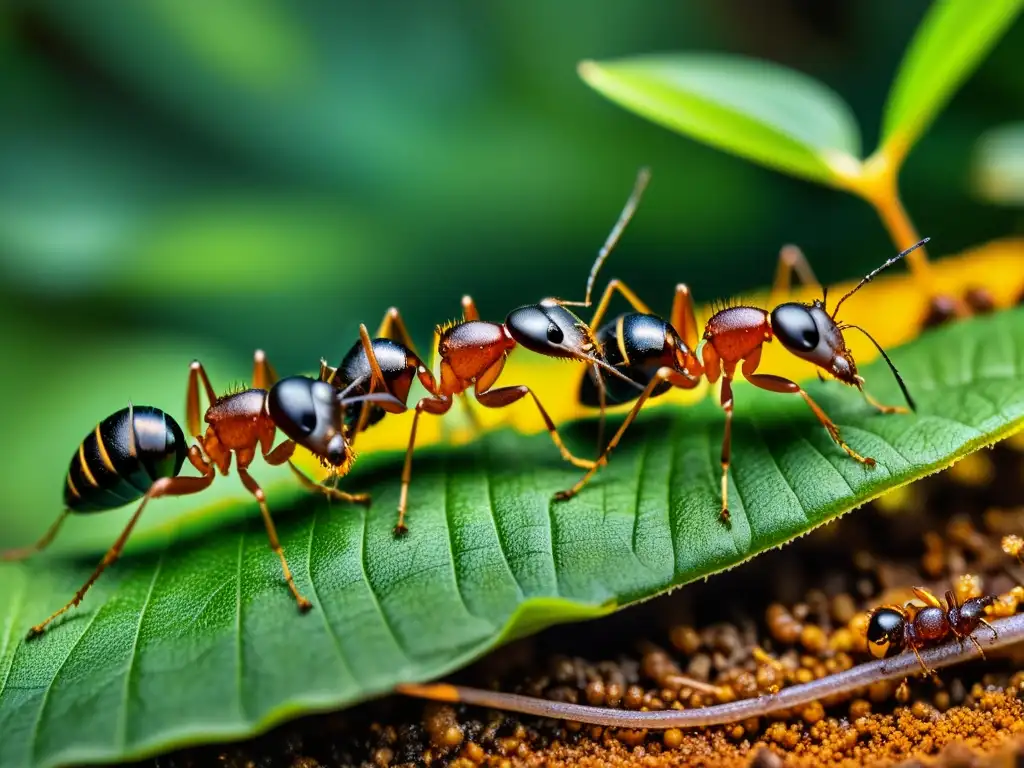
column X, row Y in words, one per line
column 893, row 629
column 138, row 452
column 472, row 355
column 660, row 355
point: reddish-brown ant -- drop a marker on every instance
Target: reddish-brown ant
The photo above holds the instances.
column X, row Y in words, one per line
column 138, row 452
column 893, row 629
column 472, row 355
column 658, row 355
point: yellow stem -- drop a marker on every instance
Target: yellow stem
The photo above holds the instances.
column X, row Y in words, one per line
column 878, row 184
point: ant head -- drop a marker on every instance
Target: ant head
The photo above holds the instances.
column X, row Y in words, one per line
column 886, row 633
column 308, row 412
column 808, row 332
column 551, row 330
column 972, row 612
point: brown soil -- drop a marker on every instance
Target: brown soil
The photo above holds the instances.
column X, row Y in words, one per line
column 790, row 616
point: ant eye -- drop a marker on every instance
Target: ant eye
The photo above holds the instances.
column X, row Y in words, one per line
column 555, row 334
column 795, row 328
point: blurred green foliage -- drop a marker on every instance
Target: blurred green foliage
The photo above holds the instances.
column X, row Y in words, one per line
column 272, row 173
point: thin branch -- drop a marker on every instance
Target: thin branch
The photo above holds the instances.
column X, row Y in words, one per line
column 1010, row 631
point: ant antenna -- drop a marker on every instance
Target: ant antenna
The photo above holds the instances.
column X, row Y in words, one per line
column 642, row 177
column 899, row 379
column 875, row 273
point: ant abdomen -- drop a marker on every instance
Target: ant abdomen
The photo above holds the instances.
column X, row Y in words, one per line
column 122, row 457
column 397, row 363
column 637, row 345
column 886, row 633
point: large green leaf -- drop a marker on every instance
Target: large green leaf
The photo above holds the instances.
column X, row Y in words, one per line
column 760, row 111
column 951, row 41
column 193, row 636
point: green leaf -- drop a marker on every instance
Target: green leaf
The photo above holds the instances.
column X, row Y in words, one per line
column 952, row 40
column 193, row 636
column 754, row 109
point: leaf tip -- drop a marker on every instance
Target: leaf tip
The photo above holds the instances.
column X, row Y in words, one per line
column 587, row 69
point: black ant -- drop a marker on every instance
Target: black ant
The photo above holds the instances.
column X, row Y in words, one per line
column 472, row 355
column 659, row 355
column 892, row 629
column 138, row 451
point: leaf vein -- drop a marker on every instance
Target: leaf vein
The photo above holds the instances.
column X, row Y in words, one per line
column 321, row 608
column 18, row 606
column 373, row 594
column 450, row 535
column 130, row 673
column 493, row 509
column 56, row 676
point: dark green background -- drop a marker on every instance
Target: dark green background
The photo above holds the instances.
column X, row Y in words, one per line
column 272, row 172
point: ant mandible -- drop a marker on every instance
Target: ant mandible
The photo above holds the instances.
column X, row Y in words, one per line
column 660, row 355
column 472, row 355
column 892, row 629
column 138, row 451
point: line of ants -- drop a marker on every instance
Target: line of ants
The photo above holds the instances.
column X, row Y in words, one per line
column 138, row 452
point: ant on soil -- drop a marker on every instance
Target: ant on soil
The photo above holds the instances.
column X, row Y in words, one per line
column 892, row 629
column 138, row 451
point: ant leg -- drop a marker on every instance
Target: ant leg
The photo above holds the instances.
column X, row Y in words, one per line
column 432, row 405
column 505, row 396
column 393, row 327
column 326, row 372
column 778, row 384
column 990, row 628
column 791, row 260
column 683, row 317
column 663, row 374
column 283, row 453
column 627, row 293
column 39, row 546
column 602, row 401
column 928, row 671
column 331, row 493
column 973, row 639
column 882, row 407
column 377, row 374
column 727, row 406
column 263, row 374
column 193, row 415
column 391, row 406
column 254, row 488
column 165, row 486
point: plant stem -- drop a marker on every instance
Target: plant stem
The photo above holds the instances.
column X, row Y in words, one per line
column 1011, row 631
column 878, row 184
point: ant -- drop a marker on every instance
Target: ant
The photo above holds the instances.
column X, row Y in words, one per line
column 138, row 451
column 472, row 355
column 892, row 629
column 660, row 355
